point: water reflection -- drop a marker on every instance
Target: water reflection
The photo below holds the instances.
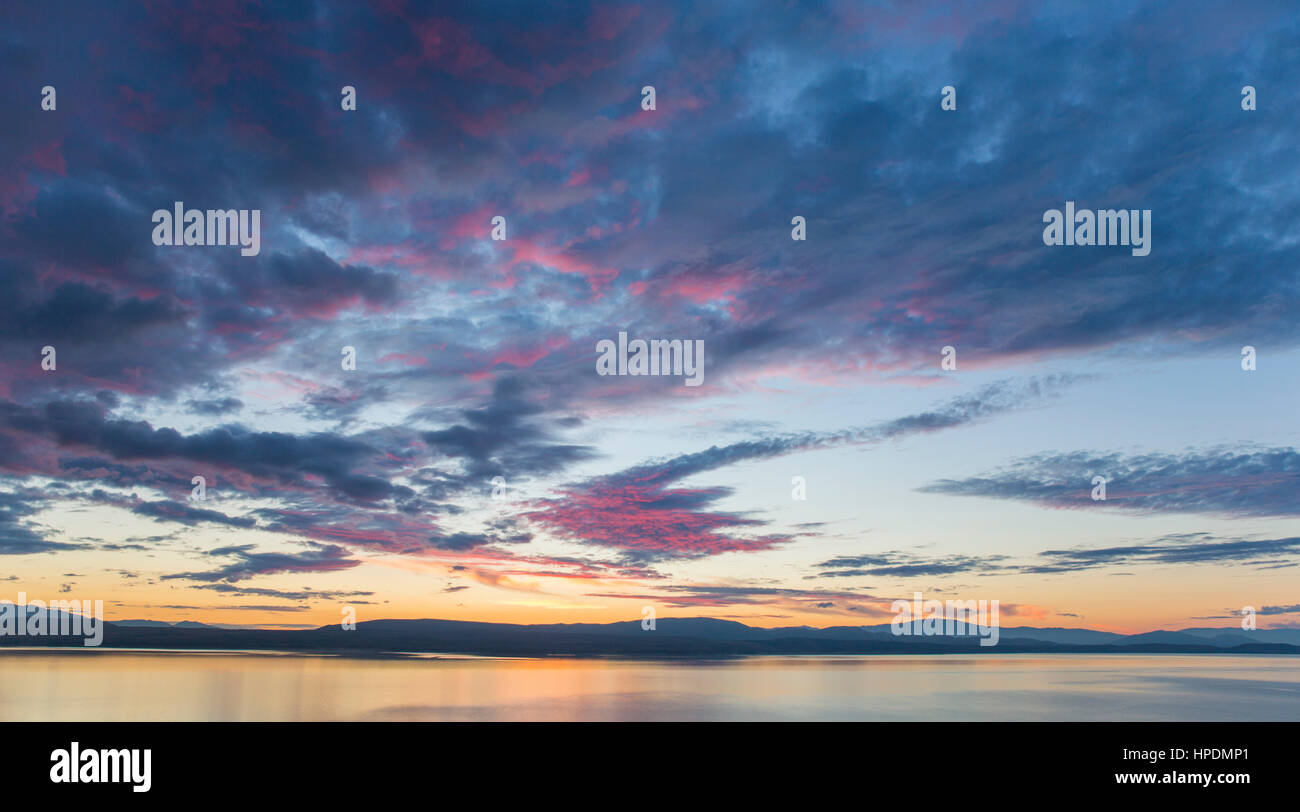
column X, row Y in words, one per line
column 106, row 685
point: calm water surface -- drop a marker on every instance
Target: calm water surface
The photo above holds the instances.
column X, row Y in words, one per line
column 232, row 686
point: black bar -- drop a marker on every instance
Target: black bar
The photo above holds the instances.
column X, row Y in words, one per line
column 325, row 761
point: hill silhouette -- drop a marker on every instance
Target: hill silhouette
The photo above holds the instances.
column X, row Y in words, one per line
column 672, row 637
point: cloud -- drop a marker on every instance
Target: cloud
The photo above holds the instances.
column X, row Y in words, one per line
column 468, row 541
column 1190, row 548
column 321, row 558
column 475, row 356
column 637, row 512
column 289, row 594
column 185, row 514
column 284, row 458
column 18, row 534
column 905, row 565
column 214, row 407
column 503, row 438
column 710, row 595
column 1185, row 548
column 676, row 218
column 1228, row 482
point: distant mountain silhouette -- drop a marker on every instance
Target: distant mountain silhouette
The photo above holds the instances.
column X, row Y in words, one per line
column 672, row 637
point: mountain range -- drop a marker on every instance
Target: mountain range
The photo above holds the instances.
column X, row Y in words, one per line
column 671, row 637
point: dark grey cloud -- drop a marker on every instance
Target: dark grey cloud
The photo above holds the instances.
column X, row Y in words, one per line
column 1231, row 482
column 214, row 407
column 1186, row 548
column 19, row 535
column 1179, row 548
column 167, row 510
column 277, row 456
column 700, row 595
column 468, row 541
column 320, row 558
column 506, row 437
column 906, row 565
column 288, row 594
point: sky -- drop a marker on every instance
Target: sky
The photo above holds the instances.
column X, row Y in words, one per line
column 474, row 464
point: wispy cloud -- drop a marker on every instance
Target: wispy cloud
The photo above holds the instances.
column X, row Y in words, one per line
column 1231, row 482
column 637, row 512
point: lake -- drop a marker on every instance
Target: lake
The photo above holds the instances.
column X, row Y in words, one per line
column 116, row 685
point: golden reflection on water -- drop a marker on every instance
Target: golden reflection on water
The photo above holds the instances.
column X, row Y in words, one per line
column 94, row 685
